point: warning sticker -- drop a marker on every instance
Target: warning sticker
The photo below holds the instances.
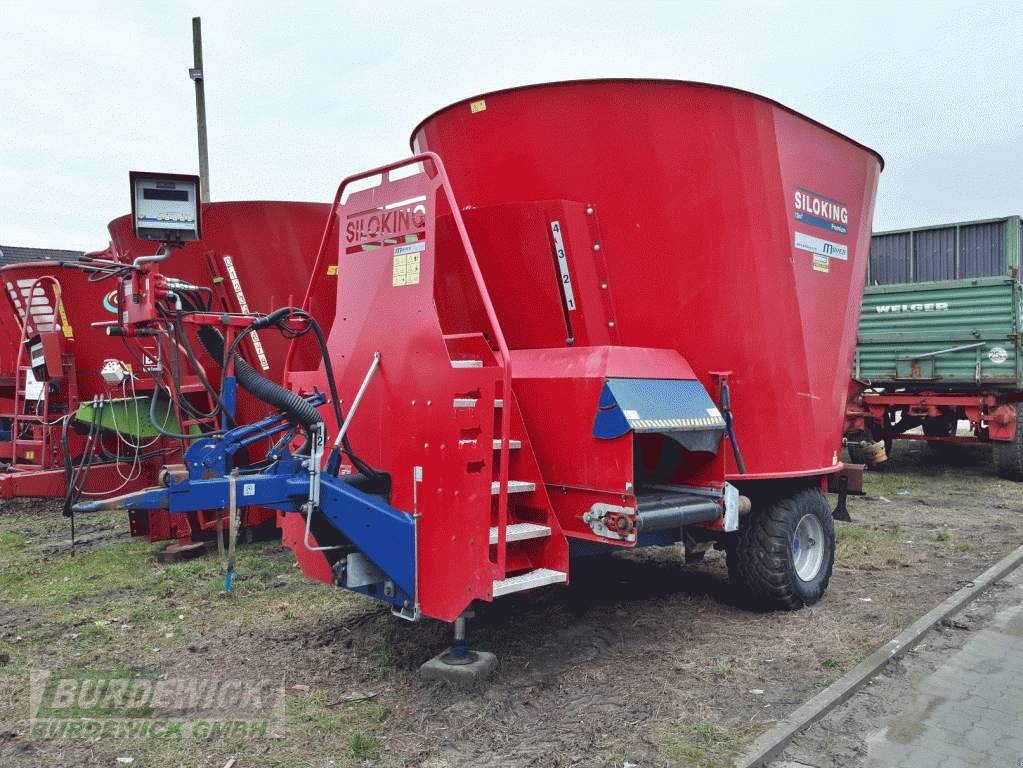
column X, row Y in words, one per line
column 332, row 269
column 64, row 324
column 236, row 284
column 821, row 263
column 405, row 270
column 478, row 106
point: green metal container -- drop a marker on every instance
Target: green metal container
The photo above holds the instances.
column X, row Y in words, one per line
column 130, row 416
column 941, row 341
column 949, row 334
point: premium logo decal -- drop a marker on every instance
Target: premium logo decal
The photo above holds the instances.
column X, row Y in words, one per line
column 822, row 212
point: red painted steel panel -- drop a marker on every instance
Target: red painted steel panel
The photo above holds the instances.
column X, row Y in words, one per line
column 408, row 416
column 81, row 305
column 559, row 393
column 710, row 204
column 10, row 332
column 272, row 246
column 529, row 301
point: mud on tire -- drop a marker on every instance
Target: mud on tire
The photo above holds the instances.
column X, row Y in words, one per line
column 940, row 426
column 1008, row 455
column 782, row 559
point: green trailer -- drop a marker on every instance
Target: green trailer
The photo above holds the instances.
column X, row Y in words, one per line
column 940, row 342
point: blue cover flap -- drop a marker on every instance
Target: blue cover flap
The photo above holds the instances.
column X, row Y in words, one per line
column 654, row 405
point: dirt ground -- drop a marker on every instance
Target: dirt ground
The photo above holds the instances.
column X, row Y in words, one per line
column 640, row 661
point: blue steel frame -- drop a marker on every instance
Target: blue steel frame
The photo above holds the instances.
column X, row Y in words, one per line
column 382, row 533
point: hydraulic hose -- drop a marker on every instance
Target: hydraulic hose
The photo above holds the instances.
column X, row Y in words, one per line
column 298, row 410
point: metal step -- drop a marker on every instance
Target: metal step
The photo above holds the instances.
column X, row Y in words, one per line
column 521, row 532
column 465, row 402
column 514, row 486
column 541, row 577
column 512, row 444
column 466, row 363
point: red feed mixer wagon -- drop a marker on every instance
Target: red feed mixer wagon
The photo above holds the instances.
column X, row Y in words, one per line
column 254, row 255
column 55, row 365
column 583, row 317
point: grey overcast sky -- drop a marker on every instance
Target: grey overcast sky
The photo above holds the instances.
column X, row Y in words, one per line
column 300, row 95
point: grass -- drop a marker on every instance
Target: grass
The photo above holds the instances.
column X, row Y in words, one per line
column 64, row 579
column 118, row 596
column 362, row 747
column 915, row 471
column 112, row 606
column 891, row 534
column 868, row 548
column 702, row 745
column 847, row 532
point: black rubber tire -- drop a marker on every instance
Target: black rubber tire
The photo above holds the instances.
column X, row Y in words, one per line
column 762, row 563
column 1008, row 455
column 855, row 450
column 940, row 426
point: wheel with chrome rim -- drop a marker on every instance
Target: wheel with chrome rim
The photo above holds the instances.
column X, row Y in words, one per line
column 808, row 547
column 783, row 556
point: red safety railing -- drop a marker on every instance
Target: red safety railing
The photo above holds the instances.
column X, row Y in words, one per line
column 440, row 180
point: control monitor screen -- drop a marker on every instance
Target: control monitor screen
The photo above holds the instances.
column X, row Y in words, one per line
column 165, row 207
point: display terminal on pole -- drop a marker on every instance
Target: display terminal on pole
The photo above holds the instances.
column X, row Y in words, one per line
column 165, row 207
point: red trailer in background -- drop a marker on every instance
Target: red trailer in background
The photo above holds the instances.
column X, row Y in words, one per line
column 254, row 256
column 584, row 317
column 55, row 365
column 10, row 333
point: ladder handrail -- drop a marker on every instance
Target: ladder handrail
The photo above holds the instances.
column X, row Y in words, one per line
column 506, row 394
column 23, row 369
column 440, row 180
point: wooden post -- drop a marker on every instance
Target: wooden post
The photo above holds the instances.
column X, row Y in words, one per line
column 200, row 111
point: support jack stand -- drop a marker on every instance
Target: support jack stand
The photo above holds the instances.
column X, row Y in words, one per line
column 180, row 553
column 458, row 664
